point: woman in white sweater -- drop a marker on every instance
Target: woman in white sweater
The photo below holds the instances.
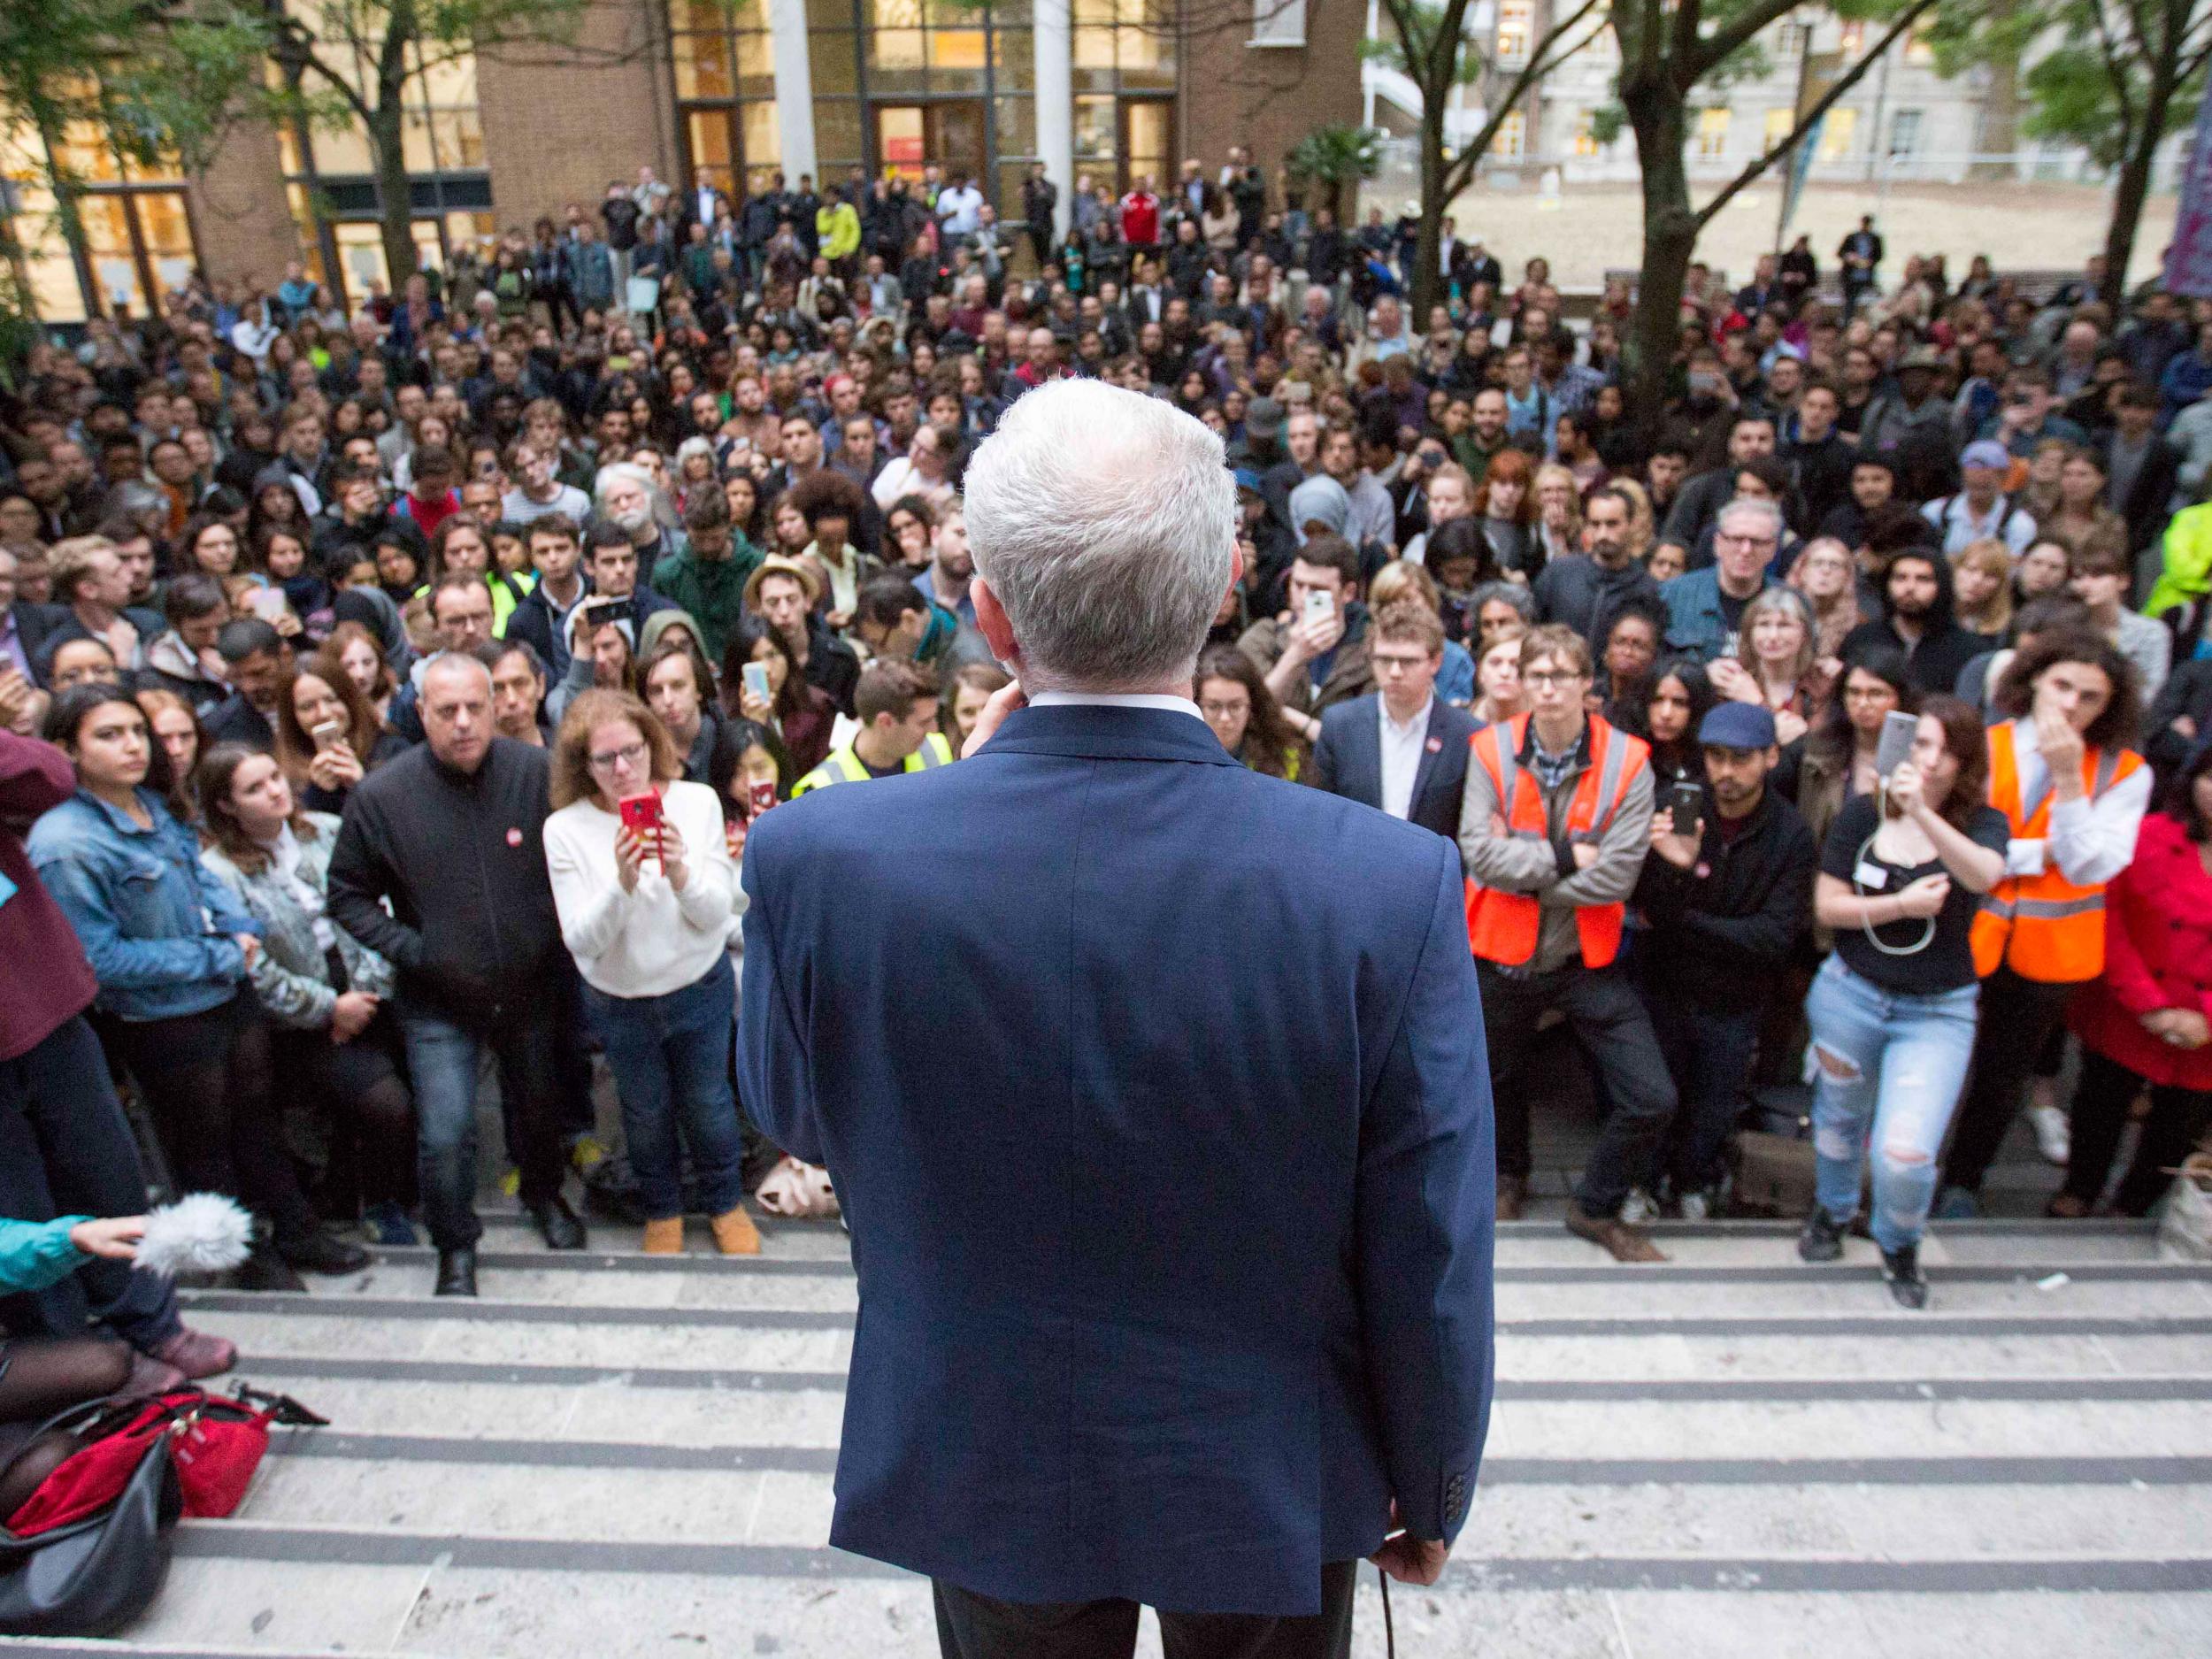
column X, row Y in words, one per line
column 648, row 915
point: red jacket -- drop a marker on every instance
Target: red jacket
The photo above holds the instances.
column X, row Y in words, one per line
column 1141, row 219
column 47, row 978
column 2157, row 954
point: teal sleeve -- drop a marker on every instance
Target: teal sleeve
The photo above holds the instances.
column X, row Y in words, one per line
column 36, row 1254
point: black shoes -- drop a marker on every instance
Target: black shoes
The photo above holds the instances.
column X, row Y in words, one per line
column 456, row 1273
column 1822, row 1240
column 559, row 1223
column 322, row 1252
column 264, row 1269
column 1901, row 1269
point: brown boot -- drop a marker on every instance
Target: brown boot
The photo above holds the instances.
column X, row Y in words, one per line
column 664, row 1237
column 734, row 1233
column 1512, row 1193
column 1616, row 1238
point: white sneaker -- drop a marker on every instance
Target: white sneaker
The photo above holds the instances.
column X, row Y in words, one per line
column 1637, row 1210
column 2054, row 1136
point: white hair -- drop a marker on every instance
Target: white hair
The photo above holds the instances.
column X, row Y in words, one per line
column 1105, row 523
column 617, row 469
column 1755, row 507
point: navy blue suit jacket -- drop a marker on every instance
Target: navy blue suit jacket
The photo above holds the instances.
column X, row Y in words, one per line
column 1347, row 760
column 1167, row 1151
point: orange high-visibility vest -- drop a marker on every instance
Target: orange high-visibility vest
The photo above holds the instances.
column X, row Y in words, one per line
column 1502, row 928
column 2042, row 928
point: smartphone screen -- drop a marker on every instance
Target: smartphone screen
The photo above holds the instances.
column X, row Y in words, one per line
column 760, row 796
column 757, row 679
column 1320, row 606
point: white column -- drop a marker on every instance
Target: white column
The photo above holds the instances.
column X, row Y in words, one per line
column 1053, row 40
column 794, row 88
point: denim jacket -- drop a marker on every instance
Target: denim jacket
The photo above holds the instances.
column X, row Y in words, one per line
column 292, row 977
column 155, row 923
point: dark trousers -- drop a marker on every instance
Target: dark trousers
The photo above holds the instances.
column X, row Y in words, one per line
column 208, row 1082
column 1709, row 1054
column 1614, row 1032
column 2100, row 1112
column 972, row 1626
column 2017, row 1019
column 441, row 1059
column 65, row 1149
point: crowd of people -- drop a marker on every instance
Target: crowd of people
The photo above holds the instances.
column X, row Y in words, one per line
column 386, row 691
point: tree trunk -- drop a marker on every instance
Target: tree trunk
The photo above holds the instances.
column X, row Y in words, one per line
column 395, row 205
column 1428, row 283
column 1661, row 125
column 2133, row 188
column 2001, row 123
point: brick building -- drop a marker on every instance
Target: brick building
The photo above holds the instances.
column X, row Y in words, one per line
column 729, row 92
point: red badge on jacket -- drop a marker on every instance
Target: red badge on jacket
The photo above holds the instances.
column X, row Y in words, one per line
column 514, row 838
column 1436, row 746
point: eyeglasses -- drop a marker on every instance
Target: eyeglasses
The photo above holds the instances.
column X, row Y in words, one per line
column 1397, row 665
column 1553, row 677
column 630, row 755
column 1225, row 711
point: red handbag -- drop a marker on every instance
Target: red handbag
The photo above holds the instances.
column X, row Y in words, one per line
column 215, row 1443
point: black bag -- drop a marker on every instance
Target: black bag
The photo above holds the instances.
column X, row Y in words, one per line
column 94, row 1576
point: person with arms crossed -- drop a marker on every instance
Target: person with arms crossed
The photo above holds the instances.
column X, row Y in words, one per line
column 1401, row 748
column 1072, row 1391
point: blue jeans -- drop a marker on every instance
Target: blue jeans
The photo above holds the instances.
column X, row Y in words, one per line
column 1890, row 1068
column 671, row 1056
column 442, row 1059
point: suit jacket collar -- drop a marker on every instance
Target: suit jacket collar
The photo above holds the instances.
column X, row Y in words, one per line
column 1098, row 732
column 1432, row 747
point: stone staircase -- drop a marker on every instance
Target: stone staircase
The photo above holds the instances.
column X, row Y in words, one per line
column 1733, row 1454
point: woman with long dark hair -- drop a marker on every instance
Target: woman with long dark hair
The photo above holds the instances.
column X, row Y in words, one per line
column 1893, row 1010
column 334, row 1042
column 801, row 715
column 1677, row 705
column 1232, row 695
column 328, row 735
column 173, row 950
column 1839, row 757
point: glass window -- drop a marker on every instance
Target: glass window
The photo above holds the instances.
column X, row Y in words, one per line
column 702, row 66
column 833, row 14
column 833, row 64
column 897, row 49
column 303, row 221
column 764, row 139
column 1712, row 134
column 712, row 159
column 837, row 132
column 1095, row 138
column 1780, row 118
column 1514, row 20
column 55, row 294
column 1016, row 128
column 1014, row 59
column 956, row 49
column 1586, row 137
column 1150, row 124
column 1512, row 137
column 1904, row 133
column 1278, row 22
column 755, row 66
column 1837, row 134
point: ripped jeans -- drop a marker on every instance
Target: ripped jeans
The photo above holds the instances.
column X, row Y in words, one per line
column 1889, row 1065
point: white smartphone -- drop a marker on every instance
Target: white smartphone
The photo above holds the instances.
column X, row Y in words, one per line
column 757, row 679
column 1320, row 606
column 1895, row 748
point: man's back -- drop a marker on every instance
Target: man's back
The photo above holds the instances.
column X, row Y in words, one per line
column 1167, row 1157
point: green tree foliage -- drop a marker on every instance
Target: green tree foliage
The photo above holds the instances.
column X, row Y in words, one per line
column 1335, row 158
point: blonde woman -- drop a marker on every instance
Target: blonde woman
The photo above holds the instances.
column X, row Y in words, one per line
column 1825, row 573
column 1981, row 587
column 1773, row 665
column 1558, row 512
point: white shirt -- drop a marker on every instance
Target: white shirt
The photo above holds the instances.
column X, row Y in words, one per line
column 653, row 941
column 1402, row 755
column 2091, row 841
column 1117, row 700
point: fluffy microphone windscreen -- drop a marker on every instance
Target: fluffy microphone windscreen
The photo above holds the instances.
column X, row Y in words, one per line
column 202, row 1233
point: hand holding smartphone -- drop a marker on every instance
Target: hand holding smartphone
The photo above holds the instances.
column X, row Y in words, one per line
column 1896, row 748
column 756, row 680
column 642, row 817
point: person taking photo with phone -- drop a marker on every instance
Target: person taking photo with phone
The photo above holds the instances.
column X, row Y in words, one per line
column 1724, row 897
column 645, row 888
column 2074, row 792
column 1892, row 1011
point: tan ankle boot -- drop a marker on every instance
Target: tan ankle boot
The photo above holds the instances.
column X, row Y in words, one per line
column 734, row 1233
column 664, row 1237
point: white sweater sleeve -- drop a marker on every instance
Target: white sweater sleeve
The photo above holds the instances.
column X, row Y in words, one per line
column 588, row 893
column 708, row 896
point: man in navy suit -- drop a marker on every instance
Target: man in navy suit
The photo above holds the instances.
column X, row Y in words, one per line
column 1174, row 1255
column 1401, row 748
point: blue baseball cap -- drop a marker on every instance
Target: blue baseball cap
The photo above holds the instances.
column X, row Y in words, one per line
column 1987, row 452
column 1736, row 725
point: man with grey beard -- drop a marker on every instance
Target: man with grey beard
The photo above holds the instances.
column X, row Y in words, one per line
column 624, row 493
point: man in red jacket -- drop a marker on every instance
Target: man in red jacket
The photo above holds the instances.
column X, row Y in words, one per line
column 1141, row 215
column 66, row 1147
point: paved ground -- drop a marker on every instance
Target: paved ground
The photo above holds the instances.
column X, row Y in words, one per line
column 1590, row 229
column 1731, row 1455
